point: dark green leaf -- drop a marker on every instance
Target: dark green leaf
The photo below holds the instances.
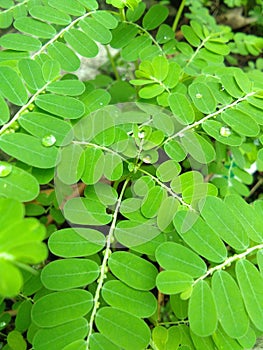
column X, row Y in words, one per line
column 155, row 16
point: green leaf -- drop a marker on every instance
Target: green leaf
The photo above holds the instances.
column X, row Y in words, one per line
column 152, row 201
column 251, row 283
column 113, row 166
column 41, row 125
column 22, row 180
column 202, row 97
column 199, row 236
column 164, row 34
column 96, row 30
column 72, row 7
column 84, row 211
column 122, row 35
column 123, row 329
column 102, row 192
column 151, row 91
column 173, row 282
column 243, row 81
column 137, row 303
column 166, row 212
column 61, row 307
column 202, row 310
column 190, row 35
column 76, row 242
column 11, row 279
column 96, row 99
column 201, row 343
column 94, row 160
column 71, row 165
column 80, row 42
column 173, row 256
column 5, row 113
column 136, row 272
column 29, row 150
column 134, row 14
column 230, row 85
column 34, row 27
column 136, row 45
column 194, row 192
column 66, row 57
column 160, row 67
column 62, row 106
column 174, row 150
column 23, row 317
column 129, row 233
column 223, row 341
column 198, row 147
column 240, row 122
column 15, row 92
column 163, row 122
column 228, row 227
column 181, row 108
column 67, row 87
column 69, row 273
column 100, row 342
column 32, row 74
column 217, row 47
column 16, row 341
column 229, row 303
column 173, row 75
column 60, row 336
column 20, row 42
column 50, row 14
column 222, row 133
column 80, row 344
column 155, row 16
column 168, row 170
column 106, row 19
column 50, row 69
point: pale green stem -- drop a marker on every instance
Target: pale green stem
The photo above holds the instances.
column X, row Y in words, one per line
column 178, row 15
column 113, row 65
column 103, row 268
column 229, row 261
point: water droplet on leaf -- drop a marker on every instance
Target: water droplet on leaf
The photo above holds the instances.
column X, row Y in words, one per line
column 147, row 159
column 225, row 131
column 3, row 324
column 48, row 140
column 5, row 169
column 141, row 134
column 198, row 95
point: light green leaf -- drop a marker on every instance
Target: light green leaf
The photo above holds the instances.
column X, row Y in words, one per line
column 132, row 234
column 105, row 18
column 164, row 34
column 113, row 166
column 166, row 212
column 11, row 279
column 66, row 57
column 62, row 106
column 222, row 133
column 134, row 14
column 152, row 201
column 20, row 185
column 31, row 73
column 60, row 336
column 189, row 178
column 155, row 16
column 194, row 192
column 69, row 273
column 151, row 91
column 94, row 160
column 34, row 27
column 123, row 329
column 96, row 99
column 16, row 341
column 80, row 42
column 173, row 256
column 173, row 282
column 84, row 211
column 168, row 170
column 240, row 122
column 96, row 30
column 49, row 14
column 20, row 42
column 80, row 344
column 198, row 147
column 67, row 87
column 5, row 113
column 243, row 81
column 76, row 242
column 217, row 47
column 173, row 75
column 122, row 35
column 90, row 4
column 71, row 165
column 163, row 122
column 181, row 108
column 136, row 272
column 251, row 283
column 248, row 341
column 41, row 125
column 12, row 87
column 29, row 150
column 12, row 210
column 230, row 85
column 202, row 343
column 100, row 342
column 174, row 150
column 72, row 7
column 199, row 236
column 102, row 192
column 160, row 67
column 202, row 97
column 50, row 69
column 229, row 303
column 228, row 227
column 190, row 35
column 202, row 310
column 223, row 341
column 61, row 307
column 132, row 51
column 137, row 303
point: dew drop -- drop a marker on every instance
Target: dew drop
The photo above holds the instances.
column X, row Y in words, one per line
column 165, row 37
column 147, row 159
column 141, row 135
column 198, row 95
column 3, row 324
column 101, row 104
column 225, row 131
column 5, row 169
column 48, row 140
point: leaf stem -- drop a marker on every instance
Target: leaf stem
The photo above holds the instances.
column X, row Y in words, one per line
column 103, row 269
column 113, row 65
column 178, row 15
column 229, row 261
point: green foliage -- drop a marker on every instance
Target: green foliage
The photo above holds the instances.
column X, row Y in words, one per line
column 143, row 182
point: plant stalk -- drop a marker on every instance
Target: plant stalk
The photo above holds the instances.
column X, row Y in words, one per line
column 178, row 15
